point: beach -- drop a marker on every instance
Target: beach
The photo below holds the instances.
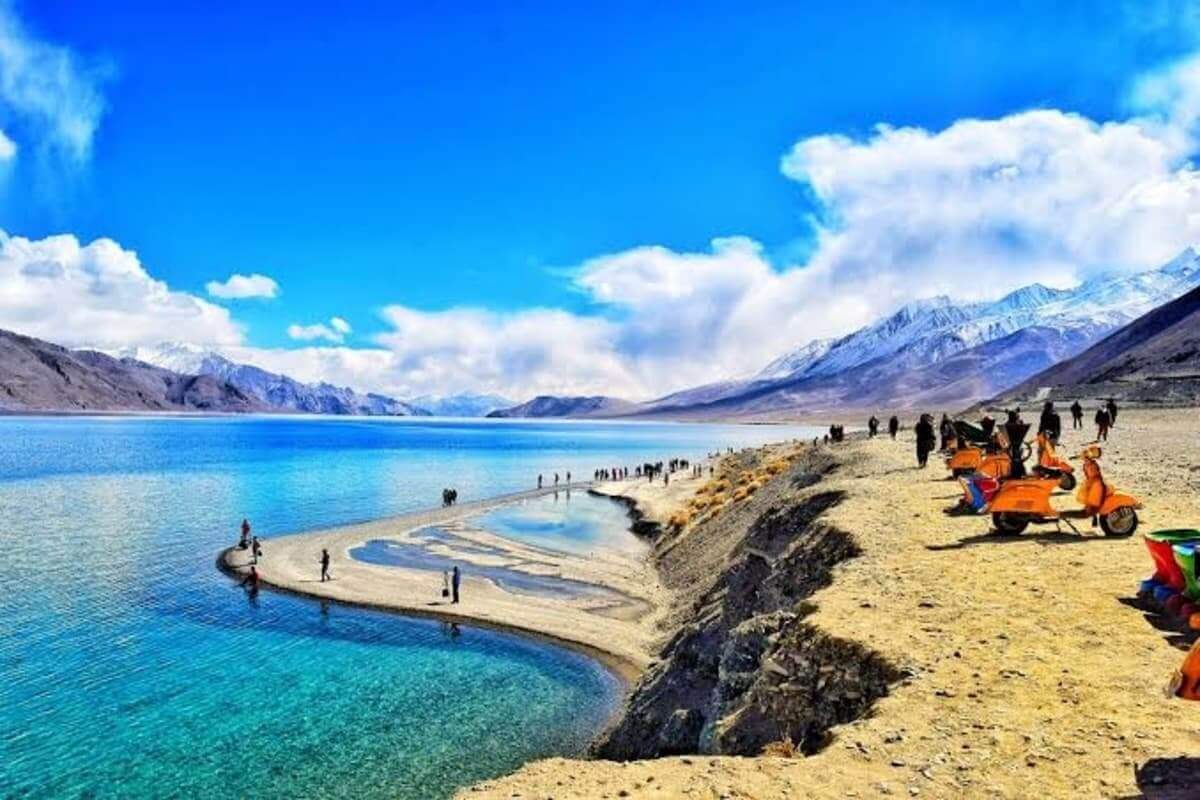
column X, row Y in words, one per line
column 607, row 601
column 1023, row 666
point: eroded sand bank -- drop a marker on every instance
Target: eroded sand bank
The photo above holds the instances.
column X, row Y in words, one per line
column 1029, row 672
column 604, row 602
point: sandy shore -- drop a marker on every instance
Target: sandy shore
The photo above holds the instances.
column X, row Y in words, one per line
column 1030, row 674
column 614, row 620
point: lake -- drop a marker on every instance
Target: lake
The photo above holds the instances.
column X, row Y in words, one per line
column 130, row 667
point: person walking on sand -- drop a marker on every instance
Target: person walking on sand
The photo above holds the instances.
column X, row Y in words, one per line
column 893, row 427
column 455, row 581
column 568, row 478
column 1103, row 421
column 1111, row 406
column 324, row 564
column 872, row 426
column 1076, row 415
column 926, row 440
column 539, row 480
column 1050, row 423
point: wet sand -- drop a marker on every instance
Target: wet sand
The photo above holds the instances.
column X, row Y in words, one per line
column 605, row 603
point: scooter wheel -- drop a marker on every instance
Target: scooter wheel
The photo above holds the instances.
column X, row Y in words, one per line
column 1066, row 482
column 1009, row 524
column 1120, row 523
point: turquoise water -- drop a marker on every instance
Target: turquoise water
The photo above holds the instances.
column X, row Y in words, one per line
column 129, row 667
column 572, row 521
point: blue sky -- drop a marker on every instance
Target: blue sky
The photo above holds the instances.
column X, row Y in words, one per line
column 424, row 158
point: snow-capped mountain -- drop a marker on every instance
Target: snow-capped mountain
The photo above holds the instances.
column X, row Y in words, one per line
column 279, row 392
column 927, row 331
column 939, row 351
column 461, row 405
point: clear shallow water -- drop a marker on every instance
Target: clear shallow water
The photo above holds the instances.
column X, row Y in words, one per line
column 572, row 521
column 129, row 667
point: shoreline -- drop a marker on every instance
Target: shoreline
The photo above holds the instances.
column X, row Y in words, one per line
column 622, row 647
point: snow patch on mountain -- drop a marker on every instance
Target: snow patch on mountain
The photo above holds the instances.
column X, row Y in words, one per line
column 280, row 392
column 928, row 331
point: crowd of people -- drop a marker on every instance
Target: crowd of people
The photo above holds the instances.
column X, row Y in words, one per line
column 449, row 497
column 943, row 434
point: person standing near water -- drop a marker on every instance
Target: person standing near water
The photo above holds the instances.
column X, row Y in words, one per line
column 893, row 426
column 324, row 564
column 245, row 542
column 539, row 480
column 255, row 549
column 455, row 580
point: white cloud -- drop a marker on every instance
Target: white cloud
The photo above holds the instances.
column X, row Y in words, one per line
column 241, row 287
column 98, row 295
column 8, row 148
column 49, row 94
column 335, row 331
column 973, row 210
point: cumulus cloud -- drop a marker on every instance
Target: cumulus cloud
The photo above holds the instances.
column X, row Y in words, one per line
column 973, row 210
column 242, row 287
column 984, row 206
column 99, row 295
column 335, row 331
column 47, row 92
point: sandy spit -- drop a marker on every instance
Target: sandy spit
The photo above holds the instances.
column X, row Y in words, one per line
column 621, row 633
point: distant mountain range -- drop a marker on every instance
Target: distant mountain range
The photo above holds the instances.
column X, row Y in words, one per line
column 461, row 405
column 39, row 376
column 274, row 391
column 1154, row 359
column 934, row 353
column 938, row 352
column 550, row 406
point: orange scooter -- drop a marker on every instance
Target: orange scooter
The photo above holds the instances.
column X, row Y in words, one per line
column 1021, row 501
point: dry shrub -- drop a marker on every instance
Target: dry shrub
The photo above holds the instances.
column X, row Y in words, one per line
column 679, row 520
column 784, row 748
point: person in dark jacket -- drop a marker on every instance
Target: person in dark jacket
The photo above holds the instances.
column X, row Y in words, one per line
column 926, row 440
column 1103, row 421
column 1111, row 406
column 893, row 426
column 946, row 428
column 988, row 426
column 1076, row 415
column 872, row 426
column 1015, row 429
column 455, row 582
column 1050, row 422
